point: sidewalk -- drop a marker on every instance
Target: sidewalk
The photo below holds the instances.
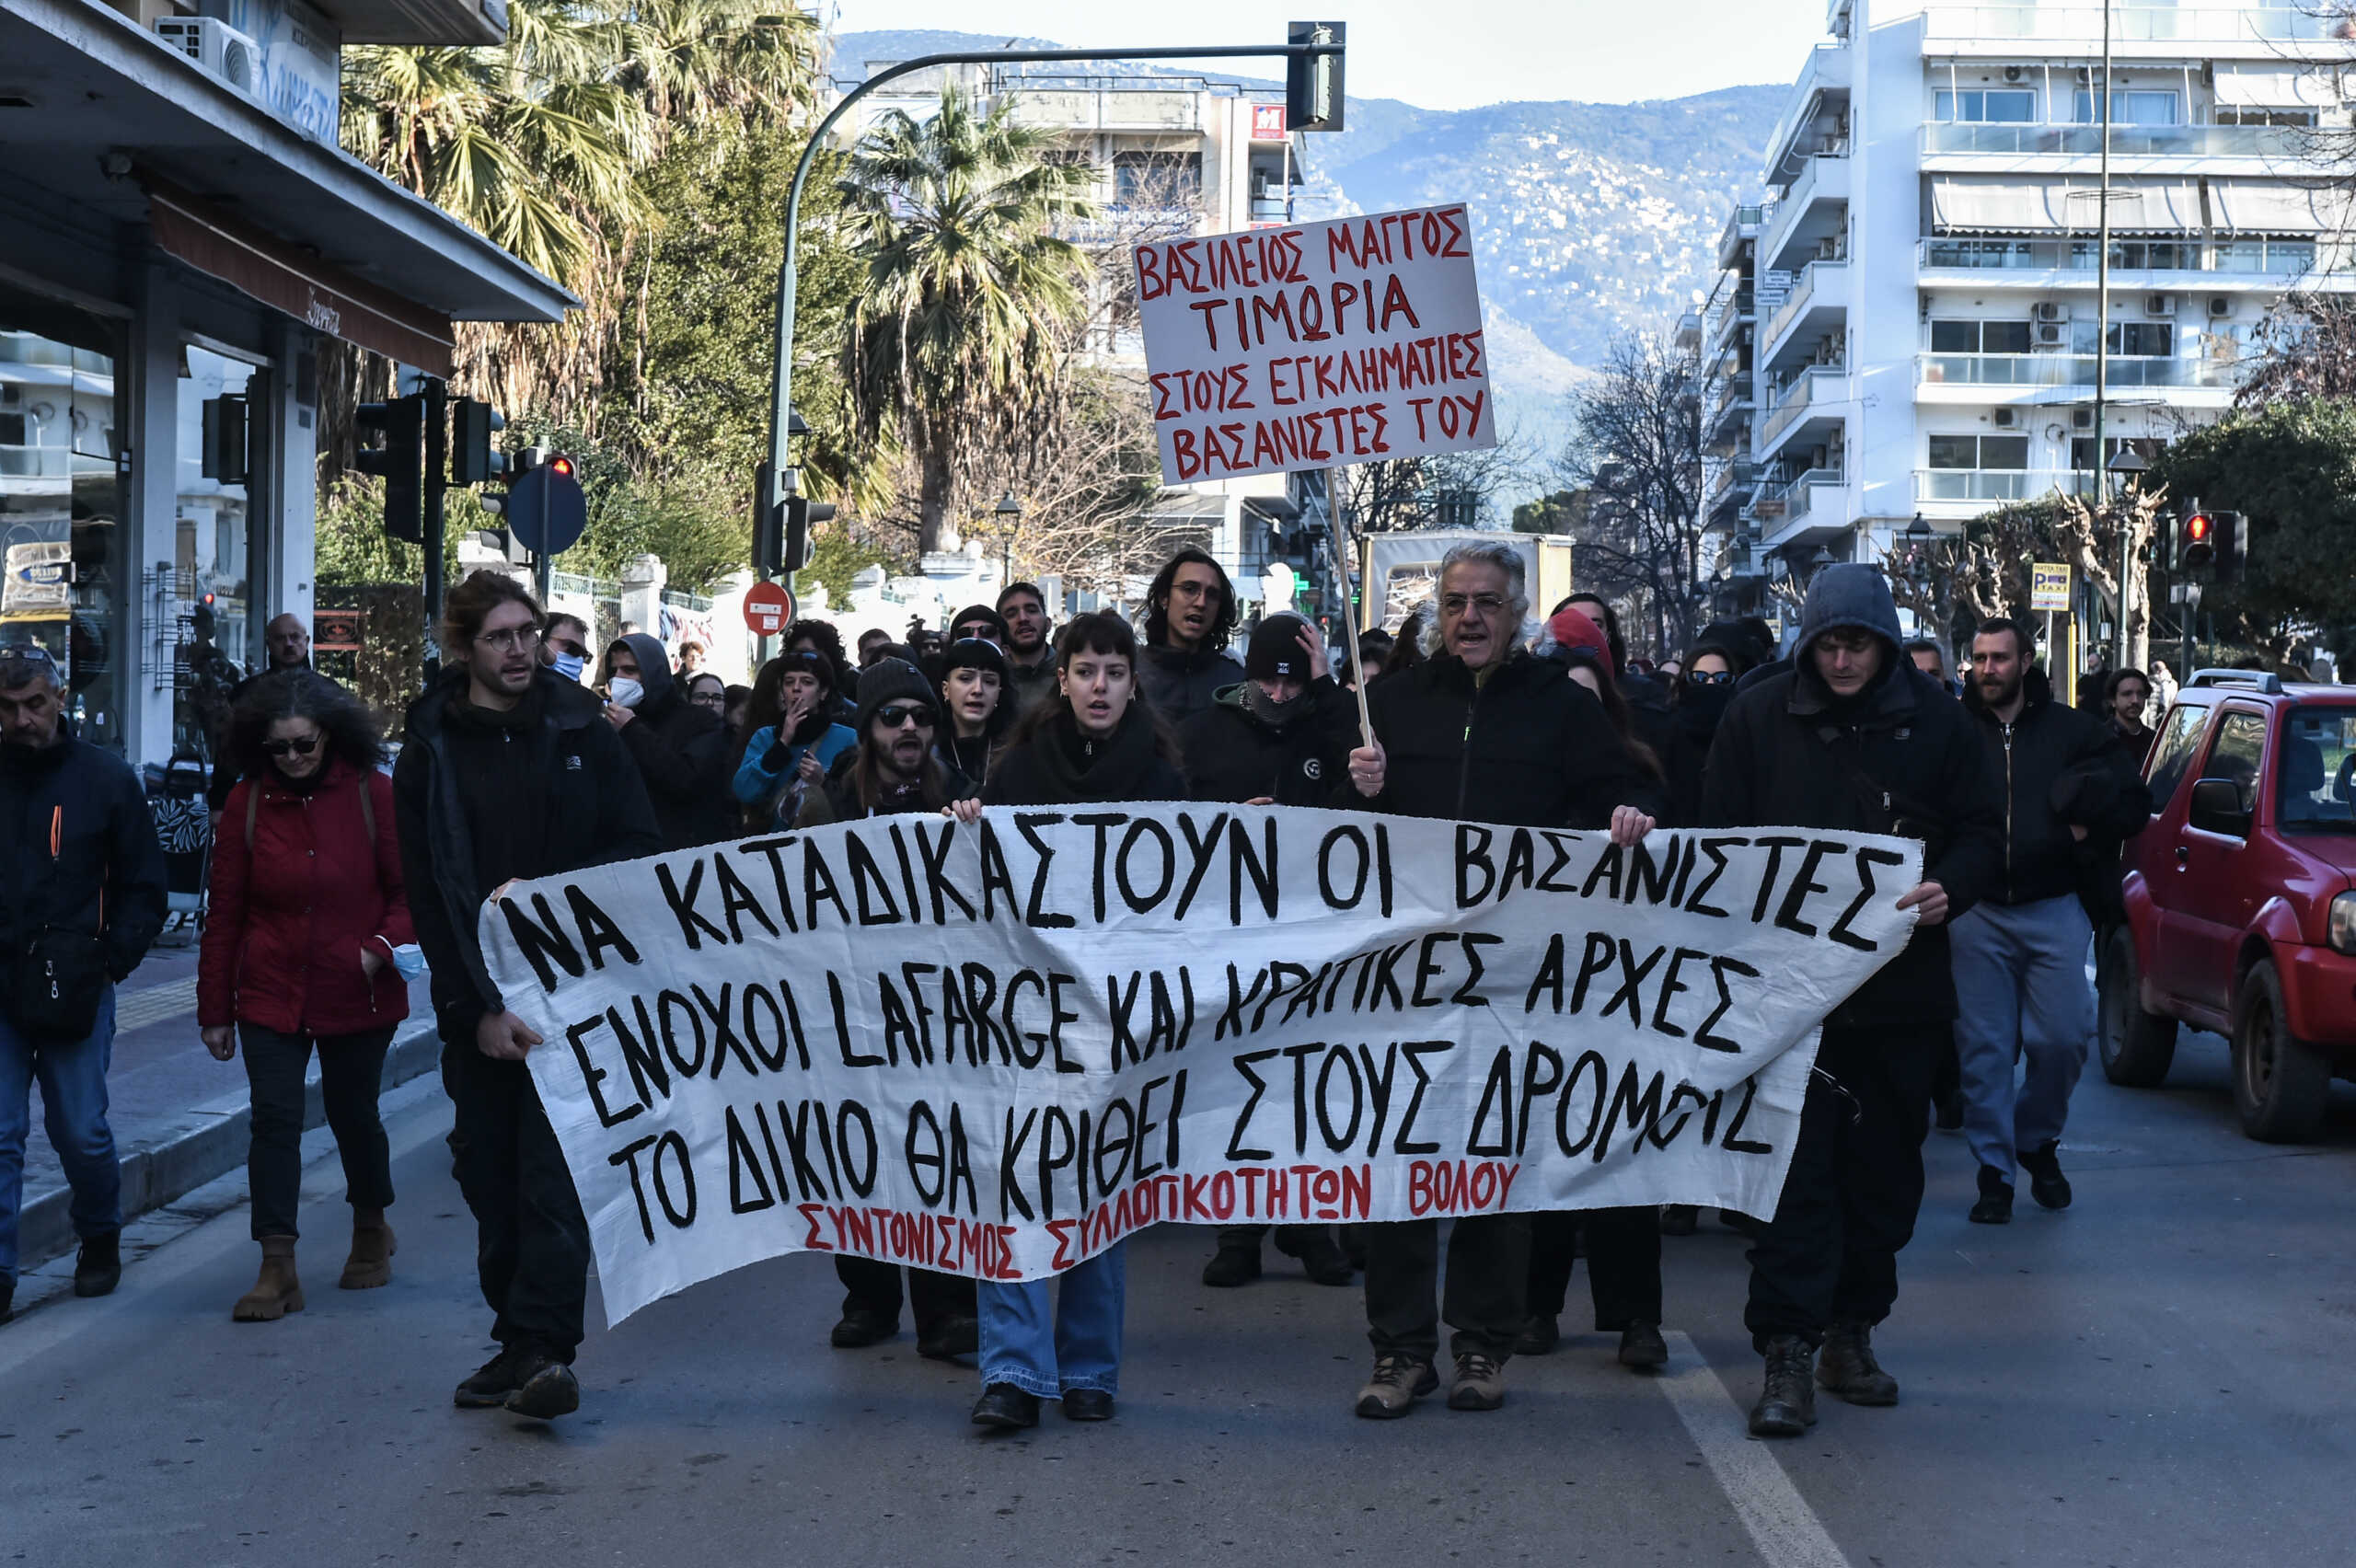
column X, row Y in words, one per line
column 180, row 1118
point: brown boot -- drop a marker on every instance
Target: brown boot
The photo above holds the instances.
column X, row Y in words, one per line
column 371, row 1263
column 277, row 1292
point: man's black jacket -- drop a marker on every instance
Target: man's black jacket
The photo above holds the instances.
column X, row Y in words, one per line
column 2061, row 765
column 1529, row 746
column 481, row 800
column 1898, row 758
column 1181, row 685
column 78, row 851
column 1231, row 754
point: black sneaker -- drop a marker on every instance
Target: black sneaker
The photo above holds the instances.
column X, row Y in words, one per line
column 491, row 1383
column 1006, row 1408
column 950, row 1338
column 860, row 1327
column 2046, row 1183
column 1320, row 1256
column 1996, row 1205
column 7, row 1300
column 548, row 1388
column 1786, row 1404
column 1235, row 1262
column 1539, row 1336
column 1087, row 1404
column 98, row 1268
column 1679, row 1219
column 1642, row 1348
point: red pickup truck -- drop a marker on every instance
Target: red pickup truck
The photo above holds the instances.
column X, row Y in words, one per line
column 2241, row 898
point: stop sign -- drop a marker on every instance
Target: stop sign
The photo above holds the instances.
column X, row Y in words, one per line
column 767, row 608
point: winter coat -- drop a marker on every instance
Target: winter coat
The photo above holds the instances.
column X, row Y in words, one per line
column 1028, row 685
column 1058, row 765
column 1529, row 746
column 682, row 753
column 1181, row 685
column 78, row 851
column 479, row 800
column 1231, row 754
column 2060, row 766
column 838, row 800
column 1899, row 758
column 766, row 778
column 291, row 911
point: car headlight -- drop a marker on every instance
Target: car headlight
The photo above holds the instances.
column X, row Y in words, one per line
column 2342, row 935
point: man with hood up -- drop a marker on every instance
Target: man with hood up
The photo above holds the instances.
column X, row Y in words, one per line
column 1853, row 738
column 681, row 750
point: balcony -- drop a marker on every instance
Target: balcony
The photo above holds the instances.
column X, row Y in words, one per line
column 1741, row 224
column 2275, row 143
column 1825, row 74
column 2074, row 370
column 1818, row 298
column 1994, row 486
column 1728, row 315
column 1814, row 207
column 2132, row 24
column 1785, row 405
column 1787, row 501
column 2255, row 260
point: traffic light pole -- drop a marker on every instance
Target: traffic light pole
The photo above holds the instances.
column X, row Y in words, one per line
column 437, row 470
column 781, row 384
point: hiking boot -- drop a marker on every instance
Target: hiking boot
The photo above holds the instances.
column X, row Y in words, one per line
column 98, row 1268
column 860, row 1327
column 1398, row 1382
column 1235, row 1262
column 1679, row 1219
column 277, row 1292
column 1847, row 1367
column 2046, row 1183
column 1006, row 1408
column 1642, row 1348
column 1786, row 1404
column 1320, row 1256
column 371, row 1262
column 547, row 1391
column 492, row 1382
column 1087, row 1404
column 950, row 1338
column 1996, row 1205
column 1479, row 1383
column 1539, row 1336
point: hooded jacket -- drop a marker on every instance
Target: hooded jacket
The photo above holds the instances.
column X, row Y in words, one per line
column 1027, row 685
column 78, row 851
column 482, row 797
column 682, row 753
column 1058, row 765
column 2059, row 767
column 1181, row 684
column 1233, row 753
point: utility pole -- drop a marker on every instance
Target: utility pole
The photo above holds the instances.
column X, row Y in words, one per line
column 2102, row 355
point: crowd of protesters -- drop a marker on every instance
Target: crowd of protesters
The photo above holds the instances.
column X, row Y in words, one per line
column 535, row 752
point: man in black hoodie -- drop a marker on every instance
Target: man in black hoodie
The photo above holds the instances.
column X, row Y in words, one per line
column 508, row 771
column 1190, row 614
column 681, row 750
column 1853, row 738
column 2073, row 794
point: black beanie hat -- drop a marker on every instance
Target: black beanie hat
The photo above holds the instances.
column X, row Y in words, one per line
column 1275, row 650
column 888, row 681
column 979, row 652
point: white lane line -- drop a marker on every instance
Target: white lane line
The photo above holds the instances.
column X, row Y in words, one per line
column 1781, row 1524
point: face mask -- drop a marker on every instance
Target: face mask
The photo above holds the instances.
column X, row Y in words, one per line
column 569, row 665
column 624, row 692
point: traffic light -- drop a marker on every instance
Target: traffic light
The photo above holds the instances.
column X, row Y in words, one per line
column 2231, row 542
column 1313, row 98
column 2196, row 541
column 399, row 462
column 782, row 533
column 473, row 459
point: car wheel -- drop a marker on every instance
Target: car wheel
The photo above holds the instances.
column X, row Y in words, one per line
column 2137, row 1047
column 2281, row 1083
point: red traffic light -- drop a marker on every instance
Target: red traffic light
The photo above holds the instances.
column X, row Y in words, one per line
column 2196, row 528
column 563, row 465
column 2198, row 548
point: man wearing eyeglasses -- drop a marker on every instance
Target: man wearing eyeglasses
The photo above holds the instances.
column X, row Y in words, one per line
column 81, row 898
column 895, row 771
column 1854, row 738
column 509, row 771
column 1481, row 731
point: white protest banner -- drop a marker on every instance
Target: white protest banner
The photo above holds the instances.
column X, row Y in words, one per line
column 1346, row 342
column 996, row 1049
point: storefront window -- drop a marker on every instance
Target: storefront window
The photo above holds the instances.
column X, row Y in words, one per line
column 220, row 640
column 61, row 503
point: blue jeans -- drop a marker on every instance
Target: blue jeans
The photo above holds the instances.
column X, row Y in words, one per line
column 1075, row 1342
column 74, row 1109
column 2021, row 993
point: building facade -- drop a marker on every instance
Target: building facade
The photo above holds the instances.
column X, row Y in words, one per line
column 1907, row 323
column 179, row 237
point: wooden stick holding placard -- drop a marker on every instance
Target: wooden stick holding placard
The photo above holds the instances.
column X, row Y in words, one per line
column 1342, row 576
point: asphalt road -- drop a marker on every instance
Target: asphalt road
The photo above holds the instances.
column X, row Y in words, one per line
column 2159, row 1376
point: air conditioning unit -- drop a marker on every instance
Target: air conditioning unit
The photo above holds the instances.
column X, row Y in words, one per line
column 2012, row 72
column 2050, row 310
column 2052, row 334
column 218, row 47
column 2219, row 307
column 2159, row 305
column 2082, row 419
column 2006, row 418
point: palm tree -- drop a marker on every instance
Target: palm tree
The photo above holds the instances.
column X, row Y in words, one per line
column 970, row 295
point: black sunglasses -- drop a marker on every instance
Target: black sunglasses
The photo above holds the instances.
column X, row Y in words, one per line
column 1708, row 678
column 303, row 746
column 900, row 713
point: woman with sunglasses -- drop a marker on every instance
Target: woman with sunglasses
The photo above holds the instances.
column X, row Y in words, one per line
column 973, row 698
column 308, row 914
column 1716, row 662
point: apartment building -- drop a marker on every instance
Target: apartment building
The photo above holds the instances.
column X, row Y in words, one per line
column 180, row 236
column 1907, row 323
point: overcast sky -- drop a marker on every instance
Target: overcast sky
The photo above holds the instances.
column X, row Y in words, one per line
column 1455, row 54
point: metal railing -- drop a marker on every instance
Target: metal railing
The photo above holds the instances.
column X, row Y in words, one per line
column 1796, row 494
column 1828, row 271
column 2134, row 24
column 2073, row 370
column 1797, row 197
column 2126, row 141
column 2248, row 257
column 1786, row 403
column 1999, row 484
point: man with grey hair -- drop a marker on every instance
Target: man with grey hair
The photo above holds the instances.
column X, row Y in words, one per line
column 81, row 898
column 1481, row 731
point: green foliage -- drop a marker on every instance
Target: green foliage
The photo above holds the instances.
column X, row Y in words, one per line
column 835, row 556
column 2290, row 467
column 688, row 517
column 1561, row 513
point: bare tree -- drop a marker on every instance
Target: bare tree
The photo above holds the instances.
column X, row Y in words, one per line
column 1636, row 450
column 2305, row 348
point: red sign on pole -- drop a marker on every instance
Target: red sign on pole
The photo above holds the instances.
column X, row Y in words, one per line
column 767, row 608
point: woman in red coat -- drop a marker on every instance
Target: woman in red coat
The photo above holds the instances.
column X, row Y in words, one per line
column 306, row 912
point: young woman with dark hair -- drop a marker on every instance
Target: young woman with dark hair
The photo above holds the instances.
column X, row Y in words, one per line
column 1093, row 740
column 307, row 910
column 791, row 737
column 977, row 708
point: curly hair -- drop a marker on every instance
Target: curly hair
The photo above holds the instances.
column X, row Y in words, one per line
column 1157, row 601
column 350, row 730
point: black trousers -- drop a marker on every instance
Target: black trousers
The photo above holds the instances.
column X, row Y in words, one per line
column 1488, row 1277
column 1252, row 1235
column 531, row 1240
column 352, row 1073
column 1946, row 1068
column 1622, row 1263
column 1856, row 1184
column 873, row 1286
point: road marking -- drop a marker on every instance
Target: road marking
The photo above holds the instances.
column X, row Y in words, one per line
column 154, row 1004
column 1781, row 1524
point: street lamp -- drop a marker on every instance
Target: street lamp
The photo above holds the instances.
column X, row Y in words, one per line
column 1819, row 562
column 1008, row 512
column 1918, row 531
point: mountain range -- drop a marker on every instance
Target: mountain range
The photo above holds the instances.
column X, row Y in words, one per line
column 1592, row 220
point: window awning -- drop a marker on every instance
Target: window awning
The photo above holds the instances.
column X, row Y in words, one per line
column 2272, row 86
column 1964, row 204
column 2275, row 206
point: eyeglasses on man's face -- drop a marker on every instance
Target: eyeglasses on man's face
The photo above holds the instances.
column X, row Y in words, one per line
column 514, row 640
column 1484, row 604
